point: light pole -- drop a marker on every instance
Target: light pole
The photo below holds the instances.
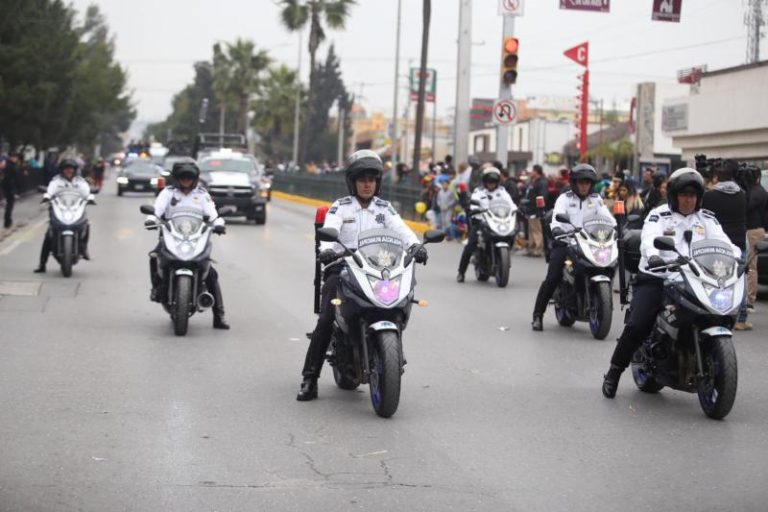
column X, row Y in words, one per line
column 395, row 124
column 296, row 116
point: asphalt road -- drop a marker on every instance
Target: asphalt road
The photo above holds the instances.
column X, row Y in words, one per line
column 103, row 408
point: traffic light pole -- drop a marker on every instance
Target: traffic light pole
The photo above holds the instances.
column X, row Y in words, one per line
column 505, row 93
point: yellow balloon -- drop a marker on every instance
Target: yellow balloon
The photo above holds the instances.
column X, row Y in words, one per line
column 421, row 207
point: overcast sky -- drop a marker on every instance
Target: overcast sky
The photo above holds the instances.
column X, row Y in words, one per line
column 158, row 41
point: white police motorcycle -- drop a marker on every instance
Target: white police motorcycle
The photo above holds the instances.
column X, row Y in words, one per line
column 375, row 295
column 68, row 228
column 498, row 228
column 184, row 259
column 691, row 345
column 585, row 292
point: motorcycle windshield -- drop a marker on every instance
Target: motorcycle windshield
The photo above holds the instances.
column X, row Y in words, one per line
column 500, row 208
column 186, row 223
column 715, row 258
column 599, row 227
column 68, row 199
column 381, row 248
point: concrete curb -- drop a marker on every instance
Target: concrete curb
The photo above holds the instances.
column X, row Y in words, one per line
column 418, row 227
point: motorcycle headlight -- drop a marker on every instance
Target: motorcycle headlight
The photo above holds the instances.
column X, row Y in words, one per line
column 68, row 216
column 386, row 291
column 602, row 255
column 185, row 248
column 721, row 298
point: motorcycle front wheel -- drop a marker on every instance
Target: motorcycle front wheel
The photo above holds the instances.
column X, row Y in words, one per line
column 182, row 303
column 502, row 267
column 385, row 373
column 601, row 312
column 67, row 255
column 717, row 391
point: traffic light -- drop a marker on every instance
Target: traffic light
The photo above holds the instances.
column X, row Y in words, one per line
column 509, row 60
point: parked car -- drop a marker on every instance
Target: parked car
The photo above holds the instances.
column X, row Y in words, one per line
column 140, row 175
column 234, row 179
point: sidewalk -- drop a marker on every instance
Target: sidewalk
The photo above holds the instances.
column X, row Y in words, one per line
column 26, row 210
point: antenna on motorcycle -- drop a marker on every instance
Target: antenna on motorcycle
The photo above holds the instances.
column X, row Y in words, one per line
column 320, row 214
column 618, row 208
column 540, row 202
column 619, row 211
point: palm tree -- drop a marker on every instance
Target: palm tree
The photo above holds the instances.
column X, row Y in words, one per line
column 246, row 66
column 295, row 15
column 273, row 119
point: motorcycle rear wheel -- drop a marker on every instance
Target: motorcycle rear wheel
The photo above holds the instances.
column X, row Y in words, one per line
column 67, row 255
column 717, row 392
column 502, row 267
column 182, row 304
column 385, row 373
column 644, row 379
column 562, row 314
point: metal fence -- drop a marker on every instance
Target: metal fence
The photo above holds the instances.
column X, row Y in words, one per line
column 329, row 187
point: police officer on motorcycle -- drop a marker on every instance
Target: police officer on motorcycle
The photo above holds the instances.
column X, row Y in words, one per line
column 574, row 203
column 682, row 213
column 66, row 179
column 482, row 196
column 361, row 210
column 186, row 194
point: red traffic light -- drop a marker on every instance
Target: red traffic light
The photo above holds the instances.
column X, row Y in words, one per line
column 511, row 44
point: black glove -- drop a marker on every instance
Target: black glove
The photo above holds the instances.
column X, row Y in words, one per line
column 557, row 231
column 327, row 256
column 656, row 262
column 219, row 229
column 419, row 253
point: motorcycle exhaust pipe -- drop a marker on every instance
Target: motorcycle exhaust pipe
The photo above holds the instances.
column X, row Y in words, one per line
column 205, row 300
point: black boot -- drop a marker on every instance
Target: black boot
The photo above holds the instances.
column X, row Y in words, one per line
column 611, row 381
column 460, row 277
column 537, row 324
column 40, row 270
column 308, row 390
column 219, row 322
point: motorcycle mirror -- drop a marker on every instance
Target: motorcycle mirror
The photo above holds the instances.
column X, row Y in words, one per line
column 95, row 190
column 664, row 243
column 434, row 236
column 633, row 218
column 328, row 234
column 227, row 210
column 147, row 209
column 563, row 217
column 761, row 247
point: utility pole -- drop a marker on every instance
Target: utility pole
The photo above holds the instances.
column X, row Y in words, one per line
column 505, row 93
column 395, row 127
column 427, row 14
column 297, row 107
column 463, row 76
column 754, row 20
column 340, row 153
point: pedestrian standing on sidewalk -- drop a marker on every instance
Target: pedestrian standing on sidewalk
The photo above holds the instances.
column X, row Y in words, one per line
column 728, row 202
column 757, row 202
column 538, row 188
column 10, row 186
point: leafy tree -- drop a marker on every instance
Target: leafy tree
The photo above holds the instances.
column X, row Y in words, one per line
column 295, row 15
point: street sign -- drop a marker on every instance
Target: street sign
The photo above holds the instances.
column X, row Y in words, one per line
column 511, row 7
column 579, row 54
column 667, row 10
column 586, row 5
column 504, row 112
column 430, row 86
